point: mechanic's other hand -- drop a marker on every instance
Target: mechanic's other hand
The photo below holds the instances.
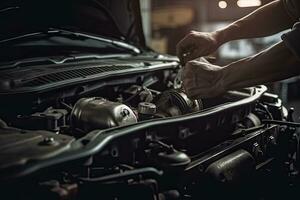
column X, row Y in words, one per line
column 202, row 80
column 196, row 44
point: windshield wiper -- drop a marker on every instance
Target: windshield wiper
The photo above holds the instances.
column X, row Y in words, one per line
column 79, row 35
column 56, row 60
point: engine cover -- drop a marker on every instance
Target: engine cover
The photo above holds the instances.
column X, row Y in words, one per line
column 98, row 113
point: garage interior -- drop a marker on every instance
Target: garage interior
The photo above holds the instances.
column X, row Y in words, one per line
column 95, row 103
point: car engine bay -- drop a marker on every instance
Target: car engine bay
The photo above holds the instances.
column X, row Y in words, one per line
column 139, row 136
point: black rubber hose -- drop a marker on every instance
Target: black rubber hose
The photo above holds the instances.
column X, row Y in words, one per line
column 148, row 171
column 277, row 122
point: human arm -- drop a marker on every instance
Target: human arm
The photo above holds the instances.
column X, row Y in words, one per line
column 203, row 80
column 267, row 20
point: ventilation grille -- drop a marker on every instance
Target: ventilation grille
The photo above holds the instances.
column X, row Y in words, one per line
column 71, row 74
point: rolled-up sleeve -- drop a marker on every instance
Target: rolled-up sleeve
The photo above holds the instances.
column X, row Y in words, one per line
column 292, row 39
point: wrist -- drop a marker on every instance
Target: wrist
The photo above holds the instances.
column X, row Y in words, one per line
column 229, row 33
column 225, row 78
column 220, row 37
column 237, row 74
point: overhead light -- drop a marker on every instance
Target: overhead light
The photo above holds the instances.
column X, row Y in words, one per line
column 222, row 4
column 248, row 3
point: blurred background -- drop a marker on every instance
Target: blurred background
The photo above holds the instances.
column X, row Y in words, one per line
column 167, row 21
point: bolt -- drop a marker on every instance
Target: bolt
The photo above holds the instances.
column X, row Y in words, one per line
column 201, row 168
column 282, row 129
column 125, row 112
column 114, row 152
column 272, row 140
column 184, row 133
column 49, row 141
column 257, row 150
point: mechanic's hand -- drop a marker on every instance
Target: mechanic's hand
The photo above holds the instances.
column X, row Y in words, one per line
column 195, row 45
column 202, row 80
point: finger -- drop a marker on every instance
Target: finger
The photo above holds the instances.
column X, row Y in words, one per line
column 188, row 84
column 187, row 73
column 190, row 71
column 192, row 85
column 179, row 51
column 197, row 53
column 196, row 93
column 186, row 45
column 186, row 54
column 189, row 76
column 191, row 55
column 201, row 69
column 181, row 47
column 203, row 92
column 204, row 60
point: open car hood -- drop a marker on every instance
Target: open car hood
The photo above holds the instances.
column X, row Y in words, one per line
column 119, row 19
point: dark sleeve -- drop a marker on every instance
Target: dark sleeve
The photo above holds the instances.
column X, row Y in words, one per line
column 292, row 39
column 293, row 8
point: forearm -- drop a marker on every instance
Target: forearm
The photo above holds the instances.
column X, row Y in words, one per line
column 265, row 21
column 273, row 64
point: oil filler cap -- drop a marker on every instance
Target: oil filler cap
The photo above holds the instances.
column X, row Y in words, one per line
column 146, row 108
